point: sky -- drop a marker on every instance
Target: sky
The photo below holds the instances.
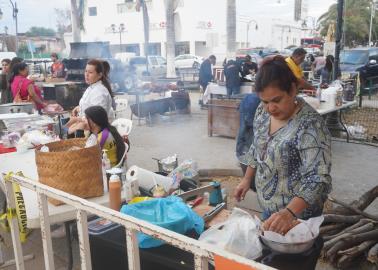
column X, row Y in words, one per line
column 41, row 12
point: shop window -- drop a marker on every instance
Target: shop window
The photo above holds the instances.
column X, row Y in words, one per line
column 92, row 11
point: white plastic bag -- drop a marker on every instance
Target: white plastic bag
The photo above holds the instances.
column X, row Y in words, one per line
column 238, row 234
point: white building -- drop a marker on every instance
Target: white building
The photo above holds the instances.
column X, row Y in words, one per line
column 200, row 25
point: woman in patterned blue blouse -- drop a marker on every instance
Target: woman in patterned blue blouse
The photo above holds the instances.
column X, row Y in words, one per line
column 291, row 153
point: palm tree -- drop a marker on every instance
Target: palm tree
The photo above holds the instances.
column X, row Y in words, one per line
column 146, row 25
column 77, row 15
column 171, row 39
column 231, row 28
column 356, row 21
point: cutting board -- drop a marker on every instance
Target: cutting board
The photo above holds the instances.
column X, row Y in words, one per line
column 222, row 216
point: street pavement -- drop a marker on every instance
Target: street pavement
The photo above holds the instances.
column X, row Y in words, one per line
column 353, row 171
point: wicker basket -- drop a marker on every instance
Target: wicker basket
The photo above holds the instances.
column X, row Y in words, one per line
column 78, row 172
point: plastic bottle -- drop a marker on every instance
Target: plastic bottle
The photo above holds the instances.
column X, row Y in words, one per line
column 105, row 166
column 319, row 93
column 115, row 192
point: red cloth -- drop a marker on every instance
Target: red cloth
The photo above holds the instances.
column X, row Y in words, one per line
column 25, row 82
column 4, row 150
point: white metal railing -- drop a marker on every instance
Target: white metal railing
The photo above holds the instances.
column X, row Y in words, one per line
column 202, row 252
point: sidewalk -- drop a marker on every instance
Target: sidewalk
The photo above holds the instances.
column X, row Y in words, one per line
column 353, row 171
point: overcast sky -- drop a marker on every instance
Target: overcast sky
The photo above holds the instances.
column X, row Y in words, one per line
column 41, row 12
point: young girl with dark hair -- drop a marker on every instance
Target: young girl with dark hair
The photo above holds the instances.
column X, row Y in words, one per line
column 107, row 135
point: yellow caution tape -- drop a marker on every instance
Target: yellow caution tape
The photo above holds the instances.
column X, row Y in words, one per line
column 19, row 212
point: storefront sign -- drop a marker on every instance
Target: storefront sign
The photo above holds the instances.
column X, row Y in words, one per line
column 204, row 25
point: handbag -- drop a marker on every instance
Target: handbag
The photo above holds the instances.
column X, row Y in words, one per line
column 17, row 98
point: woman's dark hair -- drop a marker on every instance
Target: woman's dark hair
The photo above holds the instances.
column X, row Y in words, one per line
column 104, row 68
column 6, row 60
column 274, row 71
column 16, row 69
column 15, row 60
column 329, row 63
column 99, row 116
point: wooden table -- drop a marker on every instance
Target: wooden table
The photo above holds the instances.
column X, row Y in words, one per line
column 66, row 214
column 223, row 117
column 336, row 123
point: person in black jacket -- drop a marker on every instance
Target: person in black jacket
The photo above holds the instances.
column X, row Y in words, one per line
column 249, row 67
column 205, row 72
column 231, row 72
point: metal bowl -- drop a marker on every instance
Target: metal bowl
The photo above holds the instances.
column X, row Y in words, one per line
column 289, row 248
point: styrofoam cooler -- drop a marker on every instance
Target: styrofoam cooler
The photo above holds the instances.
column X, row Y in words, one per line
column 147, row 179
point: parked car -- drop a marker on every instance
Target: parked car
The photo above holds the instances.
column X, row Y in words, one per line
column 137, row 69
column 157, row 65
column 188, row 61
column 362, row 60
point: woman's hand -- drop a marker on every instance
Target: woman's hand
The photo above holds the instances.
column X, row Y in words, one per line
column 242, row 189
column 75, row 111
column 280, row 222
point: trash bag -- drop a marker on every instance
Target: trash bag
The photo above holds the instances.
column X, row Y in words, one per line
column 170, row 213
column 238, row 234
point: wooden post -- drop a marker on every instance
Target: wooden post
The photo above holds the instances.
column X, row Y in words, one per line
column 82, row 228
column 45, row 232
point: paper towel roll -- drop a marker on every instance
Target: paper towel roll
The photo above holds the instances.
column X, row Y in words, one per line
column 147, row 179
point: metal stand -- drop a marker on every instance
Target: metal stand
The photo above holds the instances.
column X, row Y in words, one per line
column 69, row 244
column 334, row 122
column 12, row 261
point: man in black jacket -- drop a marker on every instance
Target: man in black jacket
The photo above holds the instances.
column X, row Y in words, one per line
column 205, row 72
column 231, row 72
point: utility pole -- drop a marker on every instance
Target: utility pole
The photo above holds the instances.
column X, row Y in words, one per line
column 339, row 33
column 372, row 11
column 14, row 14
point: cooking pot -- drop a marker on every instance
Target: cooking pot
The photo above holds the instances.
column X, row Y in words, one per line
column 288, row 248
column 26, row 107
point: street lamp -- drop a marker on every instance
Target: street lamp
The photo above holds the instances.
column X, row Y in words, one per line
column 14, row 14
column 121, row 28
column 248, row 25
column 313, row 23
column 1, row 14
column 282, row 32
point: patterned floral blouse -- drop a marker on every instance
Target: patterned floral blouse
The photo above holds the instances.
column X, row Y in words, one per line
column 295, row 161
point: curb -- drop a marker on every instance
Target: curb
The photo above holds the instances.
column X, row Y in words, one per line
column 220, row 172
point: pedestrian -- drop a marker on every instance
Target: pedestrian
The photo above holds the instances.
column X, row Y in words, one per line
column 231, row 72
column 249, row 67
column 327, row 71
column 6, row 94
column 247, row 110
column 57, row 68
column 294, row 62
column 205, row 72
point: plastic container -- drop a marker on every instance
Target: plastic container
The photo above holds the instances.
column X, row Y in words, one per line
column 115, row 192
column 105, row 166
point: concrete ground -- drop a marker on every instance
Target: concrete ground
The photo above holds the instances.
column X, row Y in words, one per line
column 353, row 172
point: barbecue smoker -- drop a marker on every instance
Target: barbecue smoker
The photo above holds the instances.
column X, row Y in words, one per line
column 82, row 52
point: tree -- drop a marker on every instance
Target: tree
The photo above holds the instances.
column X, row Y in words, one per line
column 40, row 32
column 171, row 39
column 146, row 25
column 231, row 28
column 356, row 21
column 77, row 18
column 63, row 20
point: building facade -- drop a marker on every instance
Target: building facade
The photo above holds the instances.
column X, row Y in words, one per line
column 200, row 27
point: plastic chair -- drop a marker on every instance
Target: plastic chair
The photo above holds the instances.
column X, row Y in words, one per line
column 123, row 126
column 121, row 106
